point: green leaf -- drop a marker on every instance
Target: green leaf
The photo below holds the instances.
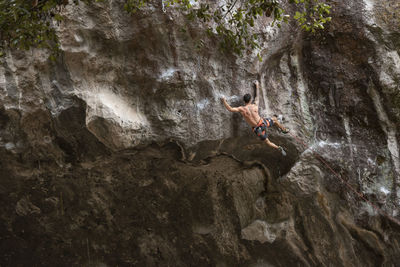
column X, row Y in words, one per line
column 259, row 57
column 232, row 24
column 58, row 17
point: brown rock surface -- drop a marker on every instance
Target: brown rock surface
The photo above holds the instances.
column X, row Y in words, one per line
column 121, row 154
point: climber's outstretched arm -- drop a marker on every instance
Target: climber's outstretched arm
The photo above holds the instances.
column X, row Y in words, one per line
column 256, row 92
column 231, row 109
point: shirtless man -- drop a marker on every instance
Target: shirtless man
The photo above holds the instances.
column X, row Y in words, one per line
column 259, row 125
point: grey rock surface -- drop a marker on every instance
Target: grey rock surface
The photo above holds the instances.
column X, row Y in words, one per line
column 121, row 154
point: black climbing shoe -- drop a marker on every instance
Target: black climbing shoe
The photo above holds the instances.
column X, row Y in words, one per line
column 285, row 131
column 282, row 151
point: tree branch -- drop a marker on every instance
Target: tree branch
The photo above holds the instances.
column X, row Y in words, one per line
column 230, row 8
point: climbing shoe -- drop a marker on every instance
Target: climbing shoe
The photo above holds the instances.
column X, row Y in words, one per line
column 282, row 151
column 285, row 131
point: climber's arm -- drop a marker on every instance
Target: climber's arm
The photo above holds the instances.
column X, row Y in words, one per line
column 231, row 109
column 256, row 92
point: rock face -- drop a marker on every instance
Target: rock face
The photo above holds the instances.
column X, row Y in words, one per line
column 121, row 154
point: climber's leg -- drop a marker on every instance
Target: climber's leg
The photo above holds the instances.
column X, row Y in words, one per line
column 280, row 126
column 269, row 143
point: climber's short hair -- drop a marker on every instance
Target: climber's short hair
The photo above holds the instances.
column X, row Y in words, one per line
column 246, row 98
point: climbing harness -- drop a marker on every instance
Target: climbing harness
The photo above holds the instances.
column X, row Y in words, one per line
column 261, row 128
column 360, row 195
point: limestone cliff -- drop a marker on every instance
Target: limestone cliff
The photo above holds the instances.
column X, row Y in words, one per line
column 121, row 154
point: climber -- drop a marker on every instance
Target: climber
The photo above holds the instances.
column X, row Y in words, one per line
column 259, row 125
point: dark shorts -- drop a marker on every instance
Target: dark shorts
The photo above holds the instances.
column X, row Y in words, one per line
column 261, row 129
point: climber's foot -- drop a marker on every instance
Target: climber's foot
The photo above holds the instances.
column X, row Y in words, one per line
column 282, row 151
column 285, row 130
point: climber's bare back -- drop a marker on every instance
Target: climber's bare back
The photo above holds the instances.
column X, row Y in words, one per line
column 250, row 114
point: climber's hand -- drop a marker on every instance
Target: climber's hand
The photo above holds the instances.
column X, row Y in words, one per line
column 222, row 100
column 256, row 83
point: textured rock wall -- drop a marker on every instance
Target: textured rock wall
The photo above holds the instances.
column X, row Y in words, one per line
column 120, row 153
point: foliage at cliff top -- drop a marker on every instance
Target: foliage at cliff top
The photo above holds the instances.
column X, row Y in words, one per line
column 31, row 23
